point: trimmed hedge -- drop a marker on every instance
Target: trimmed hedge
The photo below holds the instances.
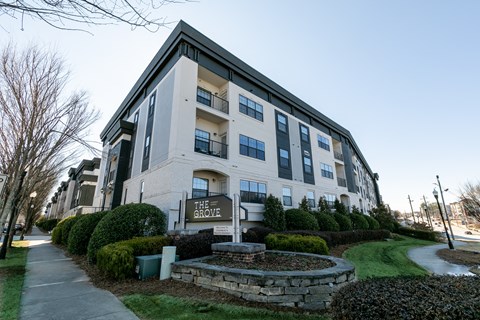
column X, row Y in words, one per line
column 117, row 260
column 296, row 243
column 326, row 222
column 343, row 221
column 67, row 227
column 256, row 234
column 372, row 223
column 359, row 222
column 345, row 237
column 47, row 225
column 126, row 222
column 57, row 232
column 297, row 219
column 82, row 231
column 197, row 245
column 419, row 234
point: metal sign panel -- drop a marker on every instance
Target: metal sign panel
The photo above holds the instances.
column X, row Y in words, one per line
column 3, row 181
column 223, row 230
column 216, row 208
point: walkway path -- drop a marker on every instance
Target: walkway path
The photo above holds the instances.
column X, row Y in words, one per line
column 55, row 288
column 427, row 258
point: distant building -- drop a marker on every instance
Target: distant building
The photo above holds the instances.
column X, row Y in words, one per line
column 200, row 120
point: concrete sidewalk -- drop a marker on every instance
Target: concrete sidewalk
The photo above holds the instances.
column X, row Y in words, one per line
column 55, row 288
column 427, row 258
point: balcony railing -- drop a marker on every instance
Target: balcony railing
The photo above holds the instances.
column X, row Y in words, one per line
column 211, row 148
column 342, row 182
column 338, row 155
column 206, row 98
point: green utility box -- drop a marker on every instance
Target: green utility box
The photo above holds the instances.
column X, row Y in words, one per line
column 149, row 266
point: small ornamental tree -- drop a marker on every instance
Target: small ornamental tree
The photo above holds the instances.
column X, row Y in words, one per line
column 303, row 205
column 340, row 207
column 323, row 205
column 274, row 215
column 355, row 210
column 384, row 218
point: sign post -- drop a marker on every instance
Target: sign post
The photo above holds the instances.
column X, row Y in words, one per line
column 236, row 218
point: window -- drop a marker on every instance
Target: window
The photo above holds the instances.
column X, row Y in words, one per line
column 125, row 196
column 323, row 142
column 202, row 141
column 307, row 164
column 304, row 133
column 284, row 158
column 251, row 108
column 135, row 119
column 204, row 97
column 330, row 199
column 142, row 185
column 200, row 188
column 146, row 149
column 151, row 105
column 287, row 196
column 311, row 199
column 281, row 122
column 327, row 170
column 252, row 148
column 251, row 191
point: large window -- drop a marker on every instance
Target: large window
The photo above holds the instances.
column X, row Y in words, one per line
column 202, row 141
column 330, row 199
column 204, row 97
column 304, row 133
column 327, row 170
column 311, row 199
column 252, row 148
column 251, row 191
column 151, row 104
column 284, row 158
column 251, row 108
column 200, row 188
column 142, row 188
column 323, row 142
column 307, row 164
column 282, row 122
column 287, row 196
column 146, row 149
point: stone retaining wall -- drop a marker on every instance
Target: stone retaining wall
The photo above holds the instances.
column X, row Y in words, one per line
column 303, row 289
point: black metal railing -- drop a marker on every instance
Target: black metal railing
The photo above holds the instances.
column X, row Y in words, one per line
column 211, row 148
column 342, row 182
column 338, row 155
column 206, row 98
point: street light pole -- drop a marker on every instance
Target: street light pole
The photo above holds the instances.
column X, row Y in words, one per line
column 29, row 217
column 445, row 207
column 435, row 194
column 411, row 207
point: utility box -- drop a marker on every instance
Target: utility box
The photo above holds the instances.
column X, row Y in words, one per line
column 149, row 266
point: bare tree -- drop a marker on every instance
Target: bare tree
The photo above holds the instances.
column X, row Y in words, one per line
column 73, row 14
column 470, row 198
column 42, row 125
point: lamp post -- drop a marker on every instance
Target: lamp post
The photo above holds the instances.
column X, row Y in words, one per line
column 435, row 194
column 445, row 207
column 29, row 217
column 426, row 211
column 413, row 215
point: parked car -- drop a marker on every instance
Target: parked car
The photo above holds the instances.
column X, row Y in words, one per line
column 468, row 232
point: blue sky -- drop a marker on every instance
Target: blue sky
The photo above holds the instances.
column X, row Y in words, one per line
column 402, row 76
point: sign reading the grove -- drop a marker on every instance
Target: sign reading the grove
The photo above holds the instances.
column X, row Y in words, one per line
column 216, row 208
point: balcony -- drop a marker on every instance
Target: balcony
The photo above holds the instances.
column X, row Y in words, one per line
column 342, row 182
column 211, row 148
column 206, row 98
column 338, row 155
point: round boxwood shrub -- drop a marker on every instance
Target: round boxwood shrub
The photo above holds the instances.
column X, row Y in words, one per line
column 57, row 232
column 82, row 231
column 372, row 223
column 297, row 219
column 326, row 222
column 359, row 222
column 46, row 225
column 67, row 227
column 343, row 221
column 126, row 222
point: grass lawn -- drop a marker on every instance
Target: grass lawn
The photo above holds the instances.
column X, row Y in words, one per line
column 12, row 273
column 168, row 307
column 386, row 258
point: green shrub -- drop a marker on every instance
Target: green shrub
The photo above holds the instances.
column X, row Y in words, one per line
column 274, row 216
column 57, row 232
column 343, row 221
column 126, row 222
column 384, row 218
column 67, row 227
column 117, row 260
column 345, row 237
column 82, row 231
column 326, row 222
column 372, row 223
column 419, row 234
column 256, row 234
column 359, row 222
column 296, row 243
column 421, row 226
column 46, row 225
column 297, row 219
column 197, row 245
column 340, row 207
column 303, row 205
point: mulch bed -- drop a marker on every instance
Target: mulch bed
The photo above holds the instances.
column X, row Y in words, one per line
column 458, row 256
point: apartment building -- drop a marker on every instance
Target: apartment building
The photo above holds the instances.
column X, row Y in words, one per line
column 200, row 123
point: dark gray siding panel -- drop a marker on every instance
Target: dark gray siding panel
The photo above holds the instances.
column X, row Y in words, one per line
column 281, row 104
column 283, row 141
column 347, row 160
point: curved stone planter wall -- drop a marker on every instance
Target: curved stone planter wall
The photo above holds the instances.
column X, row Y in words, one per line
column 304, row 289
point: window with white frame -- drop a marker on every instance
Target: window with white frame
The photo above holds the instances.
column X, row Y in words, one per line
column 282, row 122
column 284, row 158
column 311, row 199
column 330, row 199
column 307, row 164
column 287, row 196
column 327, row 170
column 304, row 135
column 199, row 188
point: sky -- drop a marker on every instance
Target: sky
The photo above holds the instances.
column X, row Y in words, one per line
column 402, row 76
